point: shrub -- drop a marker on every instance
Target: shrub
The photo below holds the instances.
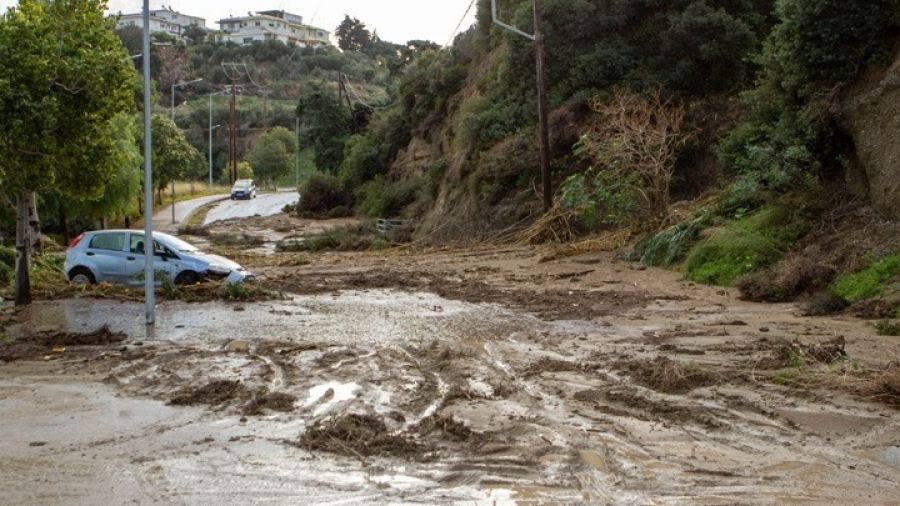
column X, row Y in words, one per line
column 6, row 274
column 741, row 247
column 8, row 256
column 322, row 193
column 383, row 199
column 728, row 255
column 888, row 328
column 869, row 281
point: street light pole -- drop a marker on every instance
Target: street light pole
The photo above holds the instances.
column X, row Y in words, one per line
column 173, row 122
column 149, row 295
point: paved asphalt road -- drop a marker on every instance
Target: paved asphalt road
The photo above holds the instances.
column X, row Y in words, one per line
column 265, row 204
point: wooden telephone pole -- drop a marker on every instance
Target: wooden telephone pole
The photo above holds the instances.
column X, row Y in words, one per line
column 544, row 133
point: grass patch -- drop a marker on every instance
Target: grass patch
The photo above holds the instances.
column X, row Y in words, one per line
column 869, row 281
column 742, row 246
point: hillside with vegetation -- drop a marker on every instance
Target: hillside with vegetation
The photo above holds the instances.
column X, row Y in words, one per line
column 710, row 136
column 716, row 133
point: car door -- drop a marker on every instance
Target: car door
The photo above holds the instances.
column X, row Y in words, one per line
column 135, row 261
column 106, row 254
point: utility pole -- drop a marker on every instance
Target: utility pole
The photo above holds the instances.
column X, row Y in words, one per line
column 342, row 90
column 297, row 157
column 232, row 116
column 232, row 136
column 542, row 106
column 544, row 133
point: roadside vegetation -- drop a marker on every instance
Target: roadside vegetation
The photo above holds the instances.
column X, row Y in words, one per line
column 701, row 134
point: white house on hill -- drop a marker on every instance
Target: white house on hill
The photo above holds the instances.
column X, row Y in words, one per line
column 163, row 20
column 271, row 25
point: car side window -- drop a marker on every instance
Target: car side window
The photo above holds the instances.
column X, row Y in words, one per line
column 137, row 244
column 112, row 241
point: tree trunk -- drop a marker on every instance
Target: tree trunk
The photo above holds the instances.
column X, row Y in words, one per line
column 23, row 281
column 63, row 223
column 34, row 226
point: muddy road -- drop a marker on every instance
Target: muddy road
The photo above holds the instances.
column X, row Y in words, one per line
column 511, row 375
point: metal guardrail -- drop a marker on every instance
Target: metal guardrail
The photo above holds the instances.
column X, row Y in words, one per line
column 385, row 226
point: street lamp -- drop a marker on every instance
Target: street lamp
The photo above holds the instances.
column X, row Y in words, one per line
column 149, row 295
column 211, row 129
column 173, row 122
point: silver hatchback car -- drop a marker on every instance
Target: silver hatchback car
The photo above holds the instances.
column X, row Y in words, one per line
column 117, row 256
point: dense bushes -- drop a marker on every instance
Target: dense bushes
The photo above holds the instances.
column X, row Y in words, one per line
column 324, row 195
column 7, row 264
column 791, row 140
column 690, row 47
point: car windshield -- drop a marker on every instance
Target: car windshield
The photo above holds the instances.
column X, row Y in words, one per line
column 241, row 187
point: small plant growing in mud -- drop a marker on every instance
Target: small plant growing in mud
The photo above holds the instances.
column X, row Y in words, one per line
column 888, row 328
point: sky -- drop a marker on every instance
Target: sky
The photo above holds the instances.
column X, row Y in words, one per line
column 395, row 21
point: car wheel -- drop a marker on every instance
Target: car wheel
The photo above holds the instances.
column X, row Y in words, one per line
column 82, row 276
column 187, row 278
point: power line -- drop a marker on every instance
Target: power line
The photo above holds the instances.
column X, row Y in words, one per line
column 438, row 57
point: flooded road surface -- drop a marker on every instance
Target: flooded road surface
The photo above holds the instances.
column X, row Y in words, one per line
column 388, row 397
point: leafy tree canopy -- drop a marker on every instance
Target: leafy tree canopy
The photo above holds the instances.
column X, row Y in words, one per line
column 173, row 157
column 64, row 76
column 275, row 155
column 327, row 124
column 352, row 35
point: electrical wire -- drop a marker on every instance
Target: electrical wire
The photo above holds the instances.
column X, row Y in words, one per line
column 441, row 52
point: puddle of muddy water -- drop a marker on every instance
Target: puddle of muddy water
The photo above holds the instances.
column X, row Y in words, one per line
column 380, row 316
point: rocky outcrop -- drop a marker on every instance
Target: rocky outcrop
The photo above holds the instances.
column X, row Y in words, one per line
column 869, row 111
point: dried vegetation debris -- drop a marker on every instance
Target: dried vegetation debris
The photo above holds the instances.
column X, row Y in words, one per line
column 213, row 393
column 360, row 435
column 668, row 376
column 367, row 435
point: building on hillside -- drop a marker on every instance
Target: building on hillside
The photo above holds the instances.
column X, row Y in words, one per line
column 271, row 25
column 163, row 20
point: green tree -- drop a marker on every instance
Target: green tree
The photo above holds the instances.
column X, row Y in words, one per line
column 63, row 78
column 173, row 156
column 352, row 35
column 274, row 156
column 194, row 34
column 327, row 126
column 126, row 182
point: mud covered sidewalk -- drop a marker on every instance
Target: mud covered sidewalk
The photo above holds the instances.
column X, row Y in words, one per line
column 513, row 375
